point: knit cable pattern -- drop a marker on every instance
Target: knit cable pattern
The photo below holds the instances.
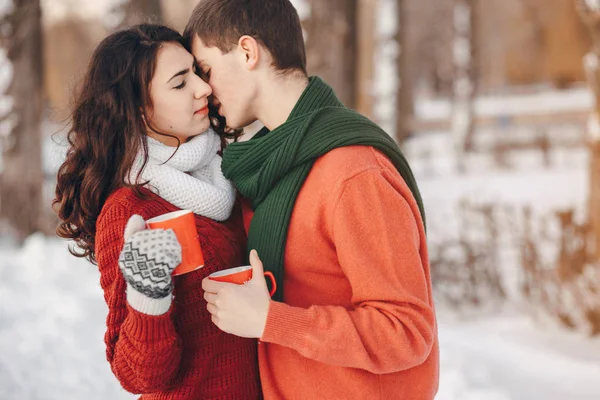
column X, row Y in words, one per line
column 189, row 177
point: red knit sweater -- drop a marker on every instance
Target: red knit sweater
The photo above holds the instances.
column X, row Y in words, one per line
column 180, row 354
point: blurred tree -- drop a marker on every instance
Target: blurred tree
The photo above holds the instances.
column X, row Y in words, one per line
column 465, row 76
column 566, row 42
column 438, row 23
column 543, row 42
column 21, row 178
column 430, row 33
column 366, row 15
column 140, row 11
column 519, row 42
column 68, row 45
column 177, row 13
column 331, row 45
column 589, row 10
column 363, row 80
column 404, row 96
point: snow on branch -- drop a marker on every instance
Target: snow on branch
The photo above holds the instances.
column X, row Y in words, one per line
column 593, row 5
column 590, row 61
column 7, row 120
column 302, row 7
column 593, row 126
column 6, row 8
column 6, row 101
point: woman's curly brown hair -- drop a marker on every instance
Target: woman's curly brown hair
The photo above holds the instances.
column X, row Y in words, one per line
column 107, row 129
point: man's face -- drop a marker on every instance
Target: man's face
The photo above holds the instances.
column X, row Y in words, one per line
column 232, row 88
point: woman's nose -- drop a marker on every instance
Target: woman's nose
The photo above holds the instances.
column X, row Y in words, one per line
column 202, row 89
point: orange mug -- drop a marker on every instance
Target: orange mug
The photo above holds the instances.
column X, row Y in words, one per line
column 183, row 224
column 240, row 275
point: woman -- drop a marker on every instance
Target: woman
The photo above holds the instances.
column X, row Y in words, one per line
column 141, row 143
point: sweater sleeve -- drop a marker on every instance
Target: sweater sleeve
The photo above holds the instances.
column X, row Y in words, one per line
column 143, row 350
column 390, row 325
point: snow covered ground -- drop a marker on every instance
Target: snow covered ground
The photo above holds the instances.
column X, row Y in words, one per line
column 532, row 103
column 508, row 357
column 52, row 324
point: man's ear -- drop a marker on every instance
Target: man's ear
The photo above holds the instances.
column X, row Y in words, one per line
column 250, row 50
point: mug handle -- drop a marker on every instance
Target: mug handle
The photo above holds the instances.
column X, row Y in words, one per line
column 273, row 282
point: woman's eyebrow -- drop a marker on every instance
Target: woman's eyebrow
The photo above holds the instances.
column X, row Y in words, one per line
column 182, row 72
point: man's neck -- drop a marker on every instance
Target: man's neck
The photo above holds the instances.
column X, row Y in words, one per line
column 278, row 97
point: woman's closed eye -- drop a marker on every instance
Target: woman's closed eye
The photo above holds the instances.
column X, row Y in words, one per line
column 180, row 86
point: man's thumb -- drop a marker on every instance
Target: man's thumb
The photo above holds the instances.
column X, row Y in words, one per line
column 257, row 265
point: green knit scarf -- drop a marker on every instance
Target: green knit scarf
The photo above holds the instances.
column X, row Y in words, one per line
column 270, row 169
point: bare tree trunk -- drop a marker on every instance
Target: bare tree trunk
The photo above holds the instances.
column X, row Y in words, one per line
column 177, row 13
column 465, row 77
column 331, row 45
column 589, row 11
column 474, row 70
column 404, row 96
column 142, row 11
column 438, row 49
column 21, row 178
column 365, row 49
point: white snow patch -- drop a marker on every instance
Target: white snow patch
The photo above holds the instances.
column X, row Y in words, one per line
column 57, row 10
column 593, row 5
column 302, row 7
column 6, row 7
column 535, row 103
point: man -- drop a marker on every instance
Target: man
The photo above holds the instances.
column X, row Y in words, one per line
column 337, row 217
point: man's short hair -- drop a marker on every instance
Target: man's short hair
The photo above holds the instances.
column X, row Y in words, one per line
column 273, row 23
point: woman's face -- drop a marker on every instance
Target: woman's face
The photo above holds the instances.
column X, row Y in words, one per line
column 179, row 96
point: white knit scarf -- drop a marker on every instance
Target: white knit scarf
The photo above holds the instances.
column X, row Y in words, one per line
column 191, row 179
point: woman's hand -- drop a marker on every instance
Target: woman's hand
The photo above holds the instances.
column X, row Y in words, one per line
column 148, row 258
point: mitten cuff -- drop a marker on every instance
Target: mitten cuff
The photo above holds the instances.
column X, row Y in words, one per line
column 147, row 305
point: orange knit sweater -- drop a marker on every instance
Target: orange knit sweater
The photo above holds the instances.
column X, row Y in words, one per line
column 180, row 354
column 358, row 320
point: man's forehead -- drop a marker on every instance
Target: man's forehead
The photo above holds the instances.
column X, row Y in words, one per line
column 204, row 53
column 199, row 50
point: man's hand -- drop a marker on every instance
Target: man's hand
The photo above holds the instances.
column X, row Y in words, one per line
column 240, row 309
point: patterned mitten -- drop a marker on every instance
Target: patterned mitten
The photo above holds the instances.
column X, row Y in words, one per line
column 147, row 260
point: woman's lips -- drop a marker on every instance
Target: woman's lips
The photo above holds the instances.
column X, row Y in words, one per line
column 203, row 110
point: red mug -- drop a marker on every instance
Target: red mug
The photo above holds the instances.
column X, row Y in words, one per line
column 183, row 224
column 240, row 275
